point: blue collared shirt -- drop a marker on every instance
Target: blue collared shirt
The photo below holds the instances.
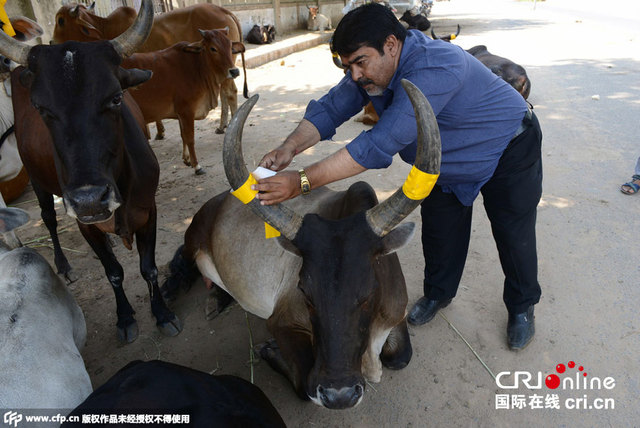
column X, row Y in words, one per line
column 477, row 112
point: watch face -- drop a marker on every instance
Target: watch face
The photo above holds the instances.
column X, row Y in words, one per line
column 305, row 188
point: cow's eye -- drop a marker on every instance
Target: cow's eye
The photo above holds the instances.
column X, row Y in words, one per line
column 61, row 21
column 213, row 50
column 117, row 100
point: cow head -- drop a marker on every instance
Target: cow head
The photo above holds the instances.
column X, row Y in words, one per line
column 217, row 50
column 446, row 38
column 78, row 90
column 76, row 22
column 344, row 266
column 313, row 11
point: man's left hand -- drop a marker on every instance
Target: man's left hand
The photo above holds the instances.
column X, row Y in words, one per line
column 279, row 188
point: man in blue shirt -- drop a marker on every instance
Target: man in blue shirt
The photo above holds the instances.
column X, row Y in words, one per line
column 491, row 143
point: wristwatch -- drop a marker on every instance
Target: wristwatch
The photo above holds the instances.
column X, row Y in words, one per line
column 305, row 185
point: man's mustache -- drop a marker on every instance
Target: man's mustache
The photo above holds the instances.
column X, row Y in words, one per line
column 364, row 82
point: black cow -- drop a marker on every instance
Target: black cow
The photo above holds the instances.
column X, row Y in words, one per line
column 509, row 71
column 157, row 388
column 260, row 35
column 418, row 22
column 81, row 137
column 331, row 288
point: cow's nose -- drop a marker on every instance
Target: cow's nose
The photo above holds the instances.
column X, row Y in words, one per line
column 342, row 398
column 234, row 72
column 91, row 204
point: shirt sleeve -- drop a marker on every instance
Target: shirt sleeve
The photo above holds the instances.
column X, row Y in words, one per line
column 397, row 126
column 341, row 103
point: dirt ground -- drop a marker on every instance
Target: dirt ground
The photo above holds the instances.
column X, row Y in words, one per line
column 588, row 263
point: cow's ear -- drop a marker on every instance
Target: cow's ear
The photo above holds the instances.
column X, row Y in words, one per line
column 133, row 77
column 89, row 30
column 288, row 246
column 195, row 47
column 237, row 47
column 397, row 238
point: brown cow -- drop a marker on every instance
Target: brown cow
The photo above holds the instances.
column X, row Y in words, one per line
column 185, row 83
column 80, row 135
column 76, row 22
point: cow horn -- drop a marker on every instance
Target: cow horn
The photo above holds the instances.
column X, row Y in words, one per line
column 386, row 215
column 129, row 41
column 73, row 12
column 280, row 217
column 14, row 49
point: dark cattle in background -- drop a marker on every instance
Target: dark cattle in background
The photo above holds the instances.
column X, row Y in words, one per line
column 418, row 22
column 185, row 83
column 162, row 388
column 80, row 136
column 260, row 35
column 509, row 71
column 42, row 331
column 76, row 22
column 331, row 287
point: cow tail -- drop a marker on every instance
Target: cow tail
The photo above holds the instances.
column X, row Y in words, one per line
column 245, row 89
column 183, row 272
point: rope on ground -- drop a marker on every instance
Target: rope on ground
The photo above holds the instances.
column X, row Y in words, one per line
column 468, row 345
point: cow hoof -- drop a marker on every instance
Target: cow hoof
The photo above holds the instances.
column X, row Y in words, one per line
column 200, row 171
column 219, row 130
column 70, row 276
column 170, row 328
column 129, row 333
column 159, row 137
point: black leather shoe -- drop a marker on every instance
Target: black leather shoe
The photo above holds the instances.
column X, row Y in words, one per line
column 425, row 309
column 520, row 329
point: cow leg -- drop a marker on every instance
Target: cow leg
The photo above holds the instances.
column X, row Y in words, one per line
column 166, row 321
column 126, row 325
column 397, row 351
column 289, row 353
column 159, row 130
column 228, row 101
column 188, row 145
column 48, row 214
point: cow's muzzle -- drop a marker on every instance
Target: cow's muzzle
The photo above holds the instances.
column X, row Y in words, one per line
column 342, row 398
column 233, row 73
column 91, row 204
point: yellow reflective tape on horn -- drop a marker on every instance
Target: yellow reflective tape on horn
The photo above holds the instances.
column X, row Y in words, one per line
column 6, row 23
column 418, row 184
column 244, row 192
column 453, row 36
column 270, row 231
column 246, row 195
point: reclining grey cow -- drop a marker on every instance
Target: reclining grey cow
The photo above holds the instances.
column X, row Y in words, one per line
column 42, row 331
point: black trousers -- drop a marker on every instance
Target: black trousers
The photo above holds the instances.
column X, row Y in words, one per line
column 511, row 198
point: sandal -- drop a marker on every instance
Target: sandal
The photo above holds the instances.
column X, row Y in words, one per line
column 631, row 188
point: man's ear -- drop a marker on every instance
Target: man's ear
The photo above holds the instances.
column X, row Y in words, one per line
column 392, row 44
column 133, row 77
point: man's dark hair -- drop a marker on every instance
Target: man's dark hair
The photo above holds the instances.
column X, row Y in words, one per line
column 367, row 25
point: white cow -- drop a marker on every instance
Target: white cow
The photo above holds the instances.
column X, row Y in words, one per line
column 42, row 330
column 317, row 21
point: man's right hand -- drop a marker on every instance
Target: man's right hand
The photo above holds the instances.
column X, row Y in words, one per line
column 278, row 159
